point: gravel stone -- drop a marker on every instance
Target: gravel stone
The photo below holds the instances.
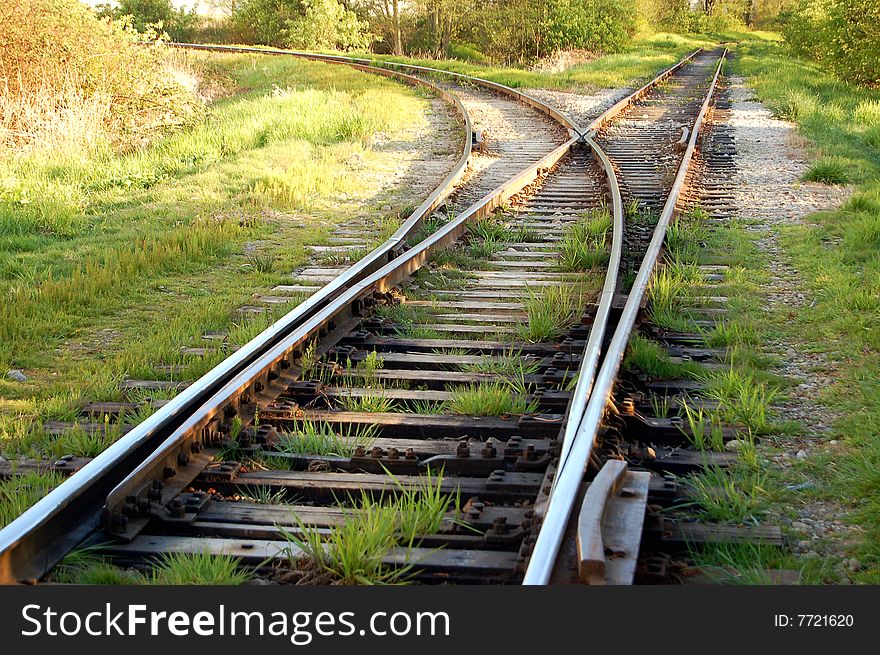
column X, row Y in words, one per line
column 17, row 375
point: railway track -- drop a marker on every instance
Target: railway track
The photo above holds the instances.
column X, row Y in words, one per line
column 476, row 365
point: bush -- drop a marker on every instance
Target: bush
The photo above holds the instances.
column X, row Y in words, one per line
column 72, row 81
column 841, row 34
column 598, row 25
column 306, row 24
column 523, row 30
column 178, row 24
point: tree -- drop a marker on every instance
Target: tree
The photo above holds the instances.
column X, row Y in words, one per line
column 307, row 24
column 175, row 22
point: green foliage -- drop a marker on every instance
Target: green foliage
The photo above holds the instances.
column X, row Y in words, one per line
column 653, row 359
column 730, row 495
column 841, row 34
column 550, row 311
column 354, row 552
column 75, row 84
column 525, row 29
column 583, row 245
column 496, row 399
column 321, row 438
column 198, row 569
column 304, row 24
column 828, row 171
column 704, row 429
column 21, row 490
column 161, row 14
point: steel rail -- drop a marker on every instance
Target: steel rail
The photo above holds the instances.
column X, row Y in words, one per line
column 570, row 476
column 35, row 541
column 38, row 538
column 593, row 348
column 57, row 523
column 558, row 115
column 180, row 442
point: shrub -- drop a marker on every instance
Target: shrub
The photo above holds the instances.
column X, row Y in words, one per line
column 72, row 81
column 306, row 24
column 593, row 24
column 829, row 170
column 145, row 14
column 842, row 34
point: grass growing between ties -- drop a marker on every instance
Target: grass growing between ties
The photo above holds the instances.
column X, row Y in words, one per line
column 584, row 244
column 18, row 492
column 653, row 360
column 837, row 255
column 550, row 311
column 498, row 399
column 87, row 567
column 356, row 551
column 198, row 569
column 740, row 495
column 705, row 430
column 511, row 363
column 754, row 564
column 321, row 438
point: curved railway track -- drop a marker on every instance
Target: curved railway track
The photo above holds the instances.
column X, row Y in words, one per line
column 399, row 333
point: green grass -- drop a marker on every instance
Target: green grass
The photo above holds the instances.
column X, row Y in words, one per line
column 135, row 255
column 828, row 171
column 836, row 255
column 366, row 403
column 836, row 116
column 583, row 246
column 426, row 407
column 86, row 566
column 730, row 496
column 753, row 564
column 704, row 429
column 321, row 438
column 685, row 237
column 742, row 399
column 353, row 552
column 550, row 311
column 652, row 359
column 18, row 492
column 198, row 569
column 642, row 59
column 496, row 399
column 510, row 363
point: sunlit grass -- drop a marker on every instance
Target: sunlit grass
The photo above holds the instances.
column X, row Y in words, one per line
column 322, row 438
column 21, row 490
column 550, row 311
column 583, row 244
column 496, row 399
column 354, row 552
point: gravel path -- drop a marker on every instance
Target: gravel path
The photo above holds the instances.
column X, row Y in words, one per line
column 771, row 160
column 581, row 107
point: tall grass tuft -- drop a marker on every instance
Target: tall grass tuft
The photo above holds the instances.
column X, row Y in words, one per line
column 20, row 491
column 583, row 245
column 829, row 170
column 320, row 438
column 496, row 399
column 354, row 552
column 550, row 311
column 198, row 569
